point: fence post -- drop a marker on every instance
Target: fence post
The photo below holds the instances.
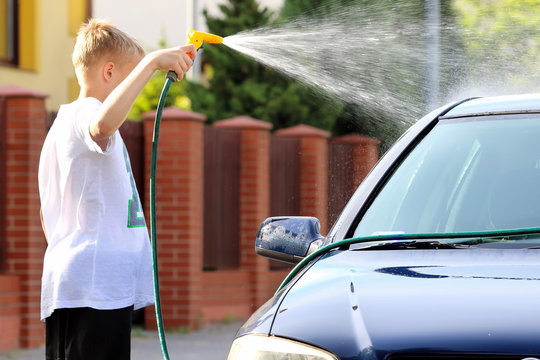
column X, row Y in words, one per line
column 24, row 120
column 254, row 201
column 179, row 210
column 313, row 170
column 364, row 152
column 351, row 158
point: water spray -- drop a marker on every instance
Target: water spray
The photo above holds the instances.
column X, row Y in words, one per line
column 371, row 55
column 196, row 38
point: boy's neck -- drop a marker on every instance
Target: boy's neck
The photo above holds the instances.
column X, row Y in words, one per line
column 95, row 92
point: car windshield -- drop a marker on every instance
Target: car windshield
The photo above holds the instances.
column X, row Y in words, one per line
column 466, row 175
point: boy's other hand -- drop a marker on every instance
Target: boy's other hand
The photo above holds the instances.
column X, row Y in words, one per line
column 179, row 59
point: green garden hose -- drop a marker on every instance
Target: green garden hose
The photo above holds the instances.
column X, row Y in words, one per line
column 171, row 76
column 389, row 237
column 196, row 38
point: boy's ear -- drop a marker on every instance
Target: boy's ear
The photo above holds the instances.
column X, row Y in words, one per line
column 108, row 69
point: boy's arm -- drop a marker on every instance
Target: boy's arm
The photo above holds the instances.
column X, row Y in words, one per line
column 43, row 225
column 117, row 105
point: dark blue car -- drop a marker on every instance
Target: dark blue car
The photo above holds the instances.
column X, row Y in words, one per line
column 436, row 255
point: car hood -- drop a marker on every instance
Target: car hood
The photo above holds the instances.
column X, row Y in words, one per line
column 367, row 304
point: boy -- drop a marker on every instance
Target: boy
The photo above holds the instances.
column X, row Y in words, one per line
column 97, row 266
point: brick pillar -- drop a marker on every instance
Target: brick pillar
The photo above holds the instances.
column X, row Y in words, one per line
column 364, row 155
column 24, row 120
column 351, row 158
column 313, row 170
column 10, row 316
column 179, row 212
column 254, row 198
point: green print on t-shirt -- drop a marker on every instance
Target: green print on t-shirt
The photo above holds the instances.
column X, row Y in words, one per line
column 135, row 211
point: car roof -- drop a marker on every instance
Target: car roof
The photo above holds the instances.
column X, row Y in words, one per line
column 514, row 104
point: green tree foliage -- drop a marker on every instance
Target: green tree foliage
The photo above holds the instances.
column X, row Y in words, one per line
column 499, row 36
column 295, row 8
column 149, row 97
column 241, row 86
column 505, row 36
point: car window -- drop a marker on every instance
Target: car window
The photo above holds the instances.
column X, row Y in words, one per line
column 478, row 174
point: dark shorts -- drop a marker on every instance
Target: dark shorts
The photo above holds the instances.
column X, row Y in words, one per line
column 86, row 333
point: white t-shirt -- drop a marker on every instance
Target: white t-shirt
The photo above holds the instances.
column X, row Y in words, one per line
column 98, row 252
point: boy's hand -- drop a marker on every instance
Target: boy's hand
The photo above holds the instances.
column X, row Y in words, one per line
column 178, row 59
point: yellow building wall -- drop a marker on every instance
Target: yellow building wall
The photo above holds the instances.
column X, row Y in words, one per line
column 47, row 30
column 29, row 35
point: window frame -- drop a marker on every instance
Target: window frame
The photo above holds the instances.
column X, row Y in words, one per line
column 12, row 38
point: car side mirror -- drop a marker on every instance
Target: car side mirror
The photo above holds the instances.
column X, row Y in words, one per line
column 288, row 239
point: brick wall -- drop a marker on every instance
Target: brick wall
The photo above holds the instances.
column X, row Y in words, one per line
column 10, row 312
column 254, row 200
column 179, row 212
column 24, row 119
column 190, row 295
column 350, row 159
column 313, row 170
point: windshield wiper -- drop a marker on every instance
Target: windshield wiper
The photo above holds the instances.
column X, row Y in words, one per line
column 371, row 242
column 409, row 244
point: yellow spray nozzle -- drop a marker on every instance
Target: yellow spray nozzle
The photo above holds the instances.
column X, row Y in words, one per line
column 197, row 38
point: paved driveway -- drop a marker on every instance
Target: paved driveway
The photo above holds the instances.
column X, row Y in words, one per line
column 211, row 343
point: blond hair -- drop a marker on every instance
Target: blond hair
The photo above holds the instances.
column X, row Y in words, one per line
column 99, row 38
